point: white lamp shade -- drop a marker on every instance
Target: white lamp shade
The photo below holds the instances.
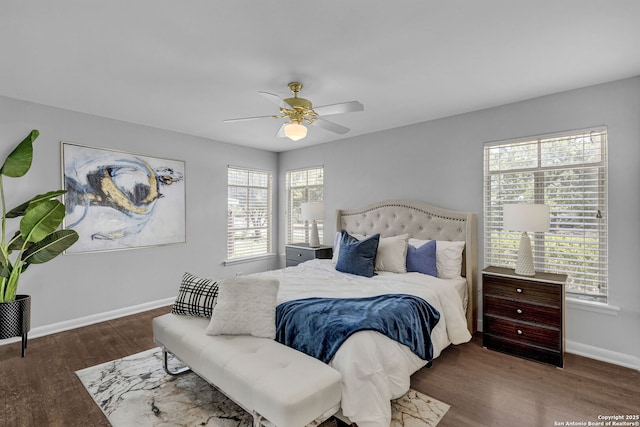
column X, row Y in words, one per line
column 526, row 217
column 295, row 131
column 312, row 210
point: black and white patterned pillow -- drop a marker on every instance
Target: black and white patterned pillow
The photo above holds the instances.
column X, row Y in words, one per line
column 196, row 296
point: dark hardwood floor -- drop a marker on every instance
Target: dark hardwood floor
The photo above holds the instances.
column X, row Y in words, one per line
column 488, row 388
column 483, row 387
column 42, row 389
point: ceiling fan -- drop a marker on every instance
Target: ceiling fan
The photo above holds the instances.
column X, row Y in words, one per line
column 299, row 111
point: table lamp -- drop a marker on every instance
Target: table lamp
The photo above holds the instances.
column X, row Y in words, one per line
column 526, row 217
column 312, row 211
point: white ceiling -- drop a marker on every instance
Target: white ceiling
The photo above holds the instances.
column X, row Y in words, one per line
column 188, row 65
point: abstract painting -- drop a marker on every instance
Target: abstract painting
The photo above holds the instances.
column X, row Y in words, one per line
column 118, row 200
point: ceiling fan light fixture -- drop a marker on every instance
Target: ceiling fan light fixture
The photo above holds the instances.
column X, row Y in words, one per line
column 295, row 131
column 298, row 110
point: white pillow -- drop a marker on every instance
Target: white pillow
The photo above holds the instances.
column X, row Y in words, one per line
column 336, row 247
column 245, row 306
column 392, row 254
column 448, row 257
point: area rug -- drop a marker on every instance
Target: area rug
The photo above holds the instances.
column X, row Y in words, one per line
column 135, row 391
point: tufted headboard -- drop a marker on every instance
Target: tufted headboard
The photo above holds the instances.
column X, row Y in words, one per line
column 421, row 221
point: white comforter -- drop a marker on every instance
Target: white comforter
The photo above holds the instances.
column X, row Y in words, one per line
column 374, row 368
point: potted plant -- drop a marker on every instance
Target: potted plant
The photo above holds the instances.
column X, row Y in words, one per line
column 37, row 240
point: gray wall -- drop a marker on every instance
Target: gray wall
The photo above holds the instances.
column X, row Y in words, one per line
column 76, row 286
column 441, row 162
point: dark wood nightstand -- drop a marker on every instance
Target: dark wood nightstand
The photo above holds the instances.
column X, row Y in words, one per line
column 301, row 252
column 524, row 315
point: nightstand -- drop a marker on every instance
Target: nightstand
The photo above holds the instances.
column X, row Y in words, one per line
column 524, row 315
column 301, row 252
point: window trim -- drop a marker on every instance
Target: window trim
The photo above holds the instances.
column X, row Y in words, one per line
column 592, row 306
column 592, row 302
column 288, row 201
column 250, row 258
column 269, row 251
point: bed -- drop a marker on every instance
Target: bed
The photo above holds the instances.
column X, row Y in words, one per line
column 376, row 369
column 210, row 330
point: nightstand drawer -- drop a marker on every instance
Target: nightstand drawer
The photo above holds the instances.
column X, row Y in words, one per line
column 301, row 252
column 299, row 255
column 522, row 311
column 523, row 350
column 526, row 291
column 526, row 333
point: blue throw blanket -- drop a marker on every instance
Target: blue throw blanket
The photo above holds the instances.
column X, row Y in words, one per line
column 318, row 326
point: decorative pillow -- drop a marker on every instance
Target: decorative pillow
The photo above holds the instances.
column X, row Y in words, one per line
column 246, row 306
column 357, row 256
column 336, row 244
column 448, row 257
column 196, row 296
column 422, row 258
column 392, row 254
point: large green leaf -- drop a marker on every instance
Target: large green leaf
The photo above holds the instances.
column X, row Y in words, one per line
column 41, row 219
column 18, row 162
column 40, row 198
column 16, row 243
column 50, row 247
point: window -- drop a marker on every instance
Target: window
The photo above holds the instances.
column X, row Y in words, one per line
column 304, row 185
column 249, row 213
column 568, row 172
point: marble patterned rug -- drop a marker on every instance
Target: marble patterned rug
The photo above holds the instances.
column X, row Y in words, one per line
column 135, row 391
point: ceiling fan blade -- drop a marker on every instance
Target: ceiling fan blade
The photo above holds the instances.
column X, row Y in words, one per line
column 247, row 118
column 330, row 126
column 276, row 100
column 343, row 107
column 280, row 133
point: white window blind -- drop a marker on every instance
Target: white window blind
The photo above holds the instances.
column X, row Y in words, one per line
column 568, row 172
column 249, row 213
column 304, row 185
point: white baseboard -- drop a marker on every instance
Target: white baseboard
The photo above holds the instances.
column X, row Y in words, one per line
column 91, row 319
column 602, row 354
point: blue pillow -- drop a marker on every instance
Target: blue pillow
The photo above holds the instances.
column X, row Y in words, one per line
column 357, row 256
column 422, row 259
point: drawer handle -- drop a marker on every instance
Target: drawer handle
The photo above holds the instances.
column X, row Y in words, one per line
column 299, row 254
column 519, row 290
column 519, row 311
column 519, row 331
